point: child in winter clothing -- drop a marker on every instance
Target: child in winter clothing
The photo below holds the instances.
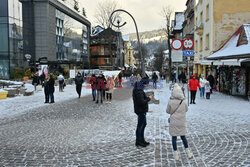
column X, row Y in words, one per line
column 207, row 90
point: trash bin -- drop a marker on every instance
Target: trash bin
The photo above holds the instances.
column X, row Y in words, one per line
column 3, row 94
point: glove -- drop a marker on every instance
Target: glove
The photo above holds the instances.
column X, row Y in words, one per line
column 200, row 89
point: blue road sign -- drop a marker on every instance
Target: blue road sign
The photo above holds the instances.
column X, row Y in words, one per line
column 188, row 53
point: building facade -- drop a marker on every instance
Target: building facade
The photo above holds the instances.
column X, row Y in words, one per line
column 11, row 37
column 49, row 31
column 215, row 21
column 106, row 49
column 128, row 53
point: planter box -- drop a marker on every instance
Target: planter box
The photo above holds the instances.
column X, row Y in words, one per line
column 11, row 92
column 28, row 93
column 3, row 95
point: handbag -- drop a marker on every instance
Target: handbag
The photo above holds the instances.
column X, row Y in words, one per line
column 174, row 111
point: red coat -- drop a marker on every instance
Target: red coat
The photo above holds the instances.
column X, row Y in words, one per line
column 193, row 84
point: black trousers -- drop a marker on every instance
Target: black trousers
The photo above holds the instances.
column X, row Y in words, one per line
column 208, row 95
column 79, row 89
column 109, row 96
column 46, row 97
column 193, row 95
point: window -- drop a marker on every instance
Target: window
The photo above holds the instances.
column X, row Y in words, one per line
column 207, row 12
column 243, row 39
column 201, row 44
column 196, row 21
column 201, row 17
column 207, row 42
column 196, row 46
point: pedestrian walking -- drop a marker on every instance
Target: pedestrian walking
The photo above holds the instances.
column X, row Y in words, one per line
column 93, row 82
column 207, row 90
column 211, row 80
column 100, row 87
column 61, row 82
column 51, row 84
column 104, row 90
column 35, row 81
column 120, row 79
column 42, row 78
column 154, row 78
column 140, row 108
column 177, row 108
column 46, row 89
column 78, row 82
column 193, row 84
column 202, row 84
column 110, row 89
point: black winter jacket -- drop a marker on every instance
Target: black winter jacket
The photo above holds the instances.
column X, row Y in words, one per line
column 51, row 84
column 140, row 101
column 78, row 80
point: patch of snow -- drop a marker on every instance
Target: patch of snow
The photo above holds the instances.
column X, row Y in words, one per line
column 17, row 105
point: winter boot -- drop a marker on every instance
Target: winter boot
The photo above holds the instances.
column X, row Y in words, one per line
column 189, row 154
column 176, row 155
column 97, row 102
column 145, row 142
column 140, row 144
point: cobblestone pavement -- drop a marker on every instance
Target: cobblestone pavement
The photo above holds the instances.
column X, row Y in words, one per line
column 79, row 132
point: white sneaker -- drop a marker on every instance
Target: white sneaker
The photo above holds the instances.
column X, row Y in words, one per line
column 189, row 154
column 176, row 155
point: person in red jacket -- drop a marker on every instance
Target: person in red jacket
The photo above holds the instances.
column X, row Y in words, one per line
column 193, row 84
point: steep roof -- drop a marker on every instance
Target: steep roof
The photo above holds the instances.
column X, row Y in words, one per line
column 234, row 47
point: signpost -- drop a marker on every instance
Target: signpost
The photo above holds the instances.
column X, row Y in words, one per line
column 188, row 43
column 188, row 53
column 176, row 44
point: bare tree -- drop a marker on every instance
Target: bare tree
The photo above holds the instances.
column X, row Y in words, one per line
column 103, row 12
column 166, row 12
column 84, row 12
column 159, row 58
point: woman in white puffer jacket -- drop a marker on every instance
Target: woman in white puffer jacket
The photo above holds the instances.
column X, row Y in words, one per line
column 177, row 108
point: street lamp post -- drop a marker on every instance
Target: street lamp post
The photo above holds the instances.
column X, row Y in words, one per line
column 118, row 22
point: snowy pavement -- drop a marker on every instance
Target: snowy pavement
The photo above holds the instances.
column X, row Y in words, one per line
column 78, row 132
column 18, row 105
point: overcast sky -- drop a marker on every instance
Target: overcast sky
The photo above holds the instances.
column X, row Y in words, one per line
column 146, row 12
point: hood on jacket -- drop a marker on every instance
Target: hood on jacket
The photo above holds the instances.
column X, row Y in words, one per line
column 177, row 93
column 193, row 75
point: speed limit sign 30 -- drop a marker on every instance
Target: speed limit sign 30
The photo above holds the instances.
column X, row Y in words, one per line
column 188, row 43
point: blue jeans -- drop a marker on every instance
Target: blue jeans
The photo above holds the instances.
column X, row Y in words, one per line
column 51, row 95
column 94, row 93
column 142, row 122
column 202, row 92
column 184, row 140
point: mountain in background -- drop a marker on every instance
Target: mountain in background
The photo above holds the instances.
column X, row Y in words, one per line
column 150, row 36
column 152, row 40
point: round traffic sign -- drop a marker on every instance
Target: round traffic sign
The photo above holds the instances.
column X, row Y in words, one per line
column 188, row 43
column 176, row 44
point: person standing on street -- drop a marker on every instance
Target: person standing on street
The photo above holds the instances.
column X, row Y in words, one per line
column 93, row 81
column 177, row 108
column 207, row 90
column 110, row 89
column 154, row 78
column 46, row 89
column 193, row 84
column 202, row 83
column 78, row 82
column 140, row 108
column 35, row 80
column 211, row 80
column 100, row 87
column 61, row 82
column 51, row 84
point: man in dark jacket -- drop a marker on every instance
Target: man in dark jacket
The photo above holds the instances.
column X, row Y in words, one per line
column 46, row 90
column 51, row 84
column 210, row 78
column 35, row 81
column 78, row 82
column 154, row 78
column 141, row 108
